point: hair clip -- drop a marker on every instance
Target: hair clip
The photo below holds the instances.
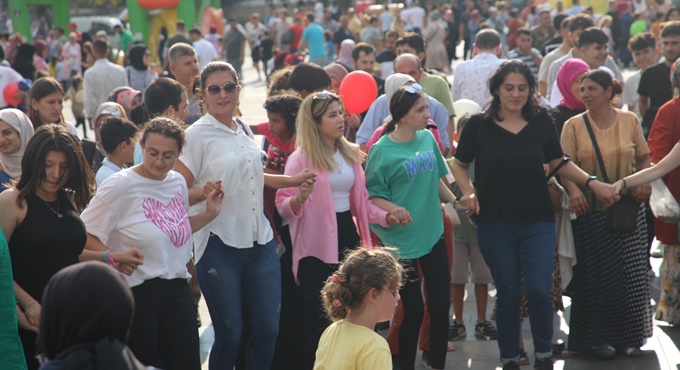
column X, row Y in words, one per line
column 336, row 303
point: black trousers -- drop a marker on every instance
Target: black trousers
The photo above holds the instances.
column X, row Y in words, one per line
column 312, row 275
column 435, row 268
column 164, row 326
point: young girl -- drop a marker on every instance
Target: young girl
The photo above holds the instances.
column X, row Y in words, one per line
column 363, row 292
column 76, row 94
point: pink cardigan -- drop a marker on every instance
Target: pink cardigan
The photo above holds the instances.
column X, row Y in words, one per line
column 314, row 229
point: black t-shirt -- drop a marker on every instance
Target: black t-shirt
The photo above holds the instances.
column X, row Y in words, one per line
column 386, row 56
column 341, row 35
column 655, row 83
column 509, row 178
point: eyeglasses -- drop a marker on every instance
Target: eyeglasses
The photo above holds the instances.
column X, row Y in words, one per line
column 156, row 156
column 228, row 88
column 411, row 89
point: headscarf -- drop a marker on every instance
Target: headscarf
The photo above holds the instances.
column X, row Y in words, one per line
column 565, row 77
column 40, row 46
column 336, row 71
column 675, row 78
column 108, row 108
column 19, row 121
column 87, row 312
column 345, row 54
column 392, row 84
column 137, row 57
column 124, row 96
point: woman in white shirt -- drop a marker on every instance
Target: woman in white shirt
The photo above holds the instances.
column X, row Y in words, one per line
column 236, row 255
column 146, row 206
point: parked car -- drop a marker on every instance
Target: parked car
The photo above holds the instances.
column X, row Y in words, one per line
column 93, row 24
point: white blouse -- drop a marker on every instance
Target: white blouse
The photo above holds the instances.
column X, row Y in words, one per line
column 213, row 151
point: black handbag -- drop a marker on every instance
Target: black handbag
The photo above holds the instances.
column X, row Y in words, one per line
column 622, row 216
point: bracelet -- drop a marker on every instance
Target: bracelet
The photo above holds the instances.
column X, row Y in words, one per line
column 625, row 185
column 29, row 304
column 108, row 259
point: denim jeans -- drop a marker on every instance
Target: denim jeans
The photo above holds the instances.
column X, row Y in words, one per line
column 516, row 253
column 226, row 276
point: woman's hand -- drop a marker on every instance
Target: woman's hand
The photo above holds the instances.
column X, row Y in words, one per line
column 23, row 320
column 605, row 192
column 470, row 204
column 127, row 261
column 618, row 186
column 213, row 203
column 32, row 313
column 209, row 187
column 306, row 188
column 642, row 193
column 399, row 215
column 577, row 202
column 302, row 176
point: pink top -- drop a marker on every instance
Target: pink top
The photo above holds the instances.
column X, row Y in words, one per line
column 378, row 133
column 314, row 229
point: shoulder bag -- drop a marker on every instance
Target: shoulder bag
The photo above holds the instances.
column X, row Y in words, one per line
column 622, row 216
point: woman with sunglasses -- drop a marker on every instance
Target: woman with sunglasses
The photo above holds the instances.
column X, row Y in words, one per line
column 510, row 143
column 154, row 218
column 322, row 215
column 405, row 167
column 236, row 254
column 40, row 219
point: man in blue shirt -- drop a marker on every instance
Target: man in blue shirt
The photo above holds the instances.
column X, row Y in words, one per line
column 312, row 38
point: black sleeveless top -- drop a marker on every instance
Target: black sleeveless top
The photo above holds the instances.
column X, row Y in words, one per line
column 44, row 243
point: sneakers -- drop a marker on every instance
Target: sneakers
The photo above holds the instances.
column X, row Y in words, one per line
column 543, row 364
column 457, row 331
column 512, row 365
column 523, row 358
column 485, row 329
column 605, row 351
column 427, row 360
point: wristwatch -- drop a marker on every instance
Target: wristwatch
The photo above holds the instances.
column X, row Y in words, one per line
column 590, row 178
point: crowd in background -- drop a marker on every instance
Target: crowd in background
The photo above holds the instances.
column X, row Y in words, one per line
column 530, row 155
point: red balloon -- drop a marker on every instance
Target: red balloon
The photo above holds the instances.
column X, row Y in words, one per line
column 10, row 93
column 358, row 90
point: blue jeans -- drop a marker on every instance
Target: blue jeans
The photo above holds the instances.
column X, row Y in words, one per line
column 226, row 276
column 519, row 252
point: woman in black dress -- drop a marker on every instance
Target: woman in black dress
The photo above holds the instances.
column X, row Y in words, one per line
column 40, row 218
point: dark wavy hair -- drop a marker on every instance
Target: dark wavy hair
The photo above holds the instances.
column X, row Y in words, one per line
column 531, row 108
column 606, row 81
column 401, row 103
column 287, row 105
column 55, row 138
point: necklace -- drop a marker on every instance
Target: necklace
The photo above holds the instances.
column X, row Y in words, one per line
column 395, row 138
column 57, row 212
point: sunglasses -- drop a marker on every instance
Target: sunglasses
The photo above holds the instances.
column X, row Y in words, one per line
column 322, row 95
column 411, row 89
column 228, row 88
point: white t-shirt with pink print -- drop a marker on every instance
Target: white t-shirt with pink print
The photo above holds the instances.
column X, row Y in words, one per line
column 130, row 210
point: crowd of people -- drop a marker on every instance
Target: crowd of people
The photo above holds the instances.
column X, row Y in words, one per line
column 531, row 160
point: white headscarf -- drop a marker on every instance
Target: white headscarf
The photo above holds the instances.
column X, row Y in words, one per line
column 19, row 122
column 392, row 84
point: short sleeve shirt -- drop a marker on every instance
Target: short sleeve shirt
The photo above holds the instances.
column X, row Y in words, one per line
column 278, row 151
column 407, row 174
column 655, row 84
column 232, row 44
column 125, row 40
column 313, row 35
column 130, row 210
column 509, row 178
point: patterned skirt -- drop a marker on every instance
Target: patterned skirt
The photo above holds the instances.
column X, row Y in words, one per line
column 610, row 291
column 668, row 309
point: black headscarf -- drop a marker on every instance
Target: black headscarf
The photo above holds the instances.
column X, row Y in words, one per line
column 87, row 311
column 137, row 57
column 23, row 63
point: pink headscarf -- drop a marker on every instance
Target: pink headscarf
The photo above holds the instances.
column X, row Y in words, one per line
column 565, row 77
column 345, row 54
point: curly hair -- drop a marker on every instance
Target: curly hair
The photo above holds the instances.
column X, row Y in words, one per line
column 287, row 105
column 362, row 269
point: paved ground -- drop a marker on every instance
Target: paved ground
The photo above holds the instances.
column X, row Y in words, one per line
column 661, row 351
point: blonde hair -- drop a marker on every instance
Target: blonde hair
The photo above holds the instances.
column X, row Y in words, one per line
column 361, row 270
column 308, row 134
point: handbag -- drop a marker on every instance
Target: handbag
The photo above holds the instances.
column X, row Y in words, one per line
column 663, row 204
column 622, row 216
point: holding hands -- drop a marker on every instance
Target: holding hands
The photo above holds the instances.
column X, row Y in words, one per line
column 29, row 318
column 399, row 215
column 306, row 189
column 606, row 193
column 469, row 204
column 303, row 176
column 213, row 201
column 127, row 261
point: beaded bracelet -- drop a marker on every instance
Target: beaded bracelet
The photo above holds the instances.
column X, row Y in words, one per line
column 108, row 260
